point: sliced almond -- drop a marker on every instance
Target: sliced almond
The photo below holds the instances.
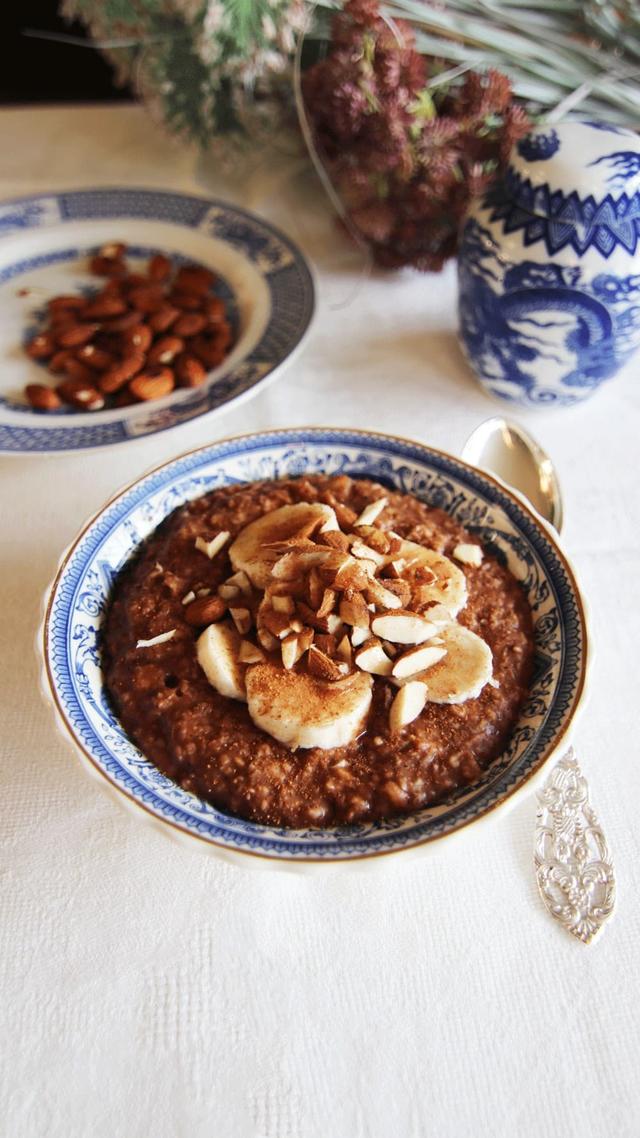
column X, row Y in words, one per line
column 403, row 627
column 353, row 610
column 242, row 619
column 250, row 653
column 407, row 705
column 417, row 660
column 371, row 512
column 161, row 639
column 321, row 666
column 214, row 546
column 468, row 554
column 371, row 657
column 283, row 604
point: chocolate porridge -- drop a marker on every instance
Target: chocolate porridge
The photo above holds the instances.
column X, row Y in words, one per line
column 352, row 661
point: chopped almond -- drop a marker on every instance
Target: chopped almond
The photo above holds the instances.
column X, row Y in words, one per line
column 334, row 539
column 241, row 580
column 283, row 604
column 403, row 627
column 161, row 639
column 250, row 653
column 468, row 554
column 214, row 546
column 345, row 515
column 290, row 648
column 366, row 553
column 353, row 610
column 326, row 643
column 377, row 594
column 401, row 589
column 328, row 603
column 228, row 592
column 407, row 705
column 277, row 623
column 309, row 617
column 374, row 538
column 267, row 639
column 417, row 660
column 371, row 512
column 343, row 650
column 321, row 666
column 371, row 657
column 242, row 619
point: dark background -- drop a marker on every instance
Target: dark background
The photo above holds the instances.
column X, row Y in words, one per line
column 42, row 71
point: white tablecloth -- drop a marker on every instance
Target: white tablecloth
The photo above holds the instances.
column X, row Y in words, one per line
column 152, row 990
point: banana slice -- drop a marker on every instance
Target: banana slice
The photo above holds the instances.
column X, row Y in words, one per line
column 218, row 652
column 447, row 587
column 301, row 711
column 463, row 672
column 247, row 551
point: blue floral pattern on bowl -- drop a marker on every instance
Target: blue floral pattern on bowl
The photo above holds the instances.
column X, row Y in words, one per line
column 549, row 267
column 81, row 591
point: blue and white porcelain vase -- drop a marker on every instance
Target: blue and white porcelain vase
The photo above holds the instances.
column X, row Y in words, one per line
column 549, row 266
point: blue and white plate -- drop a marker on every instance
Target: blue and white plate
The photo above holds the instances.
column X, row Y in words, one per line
column 506, row 525
column 44, row 242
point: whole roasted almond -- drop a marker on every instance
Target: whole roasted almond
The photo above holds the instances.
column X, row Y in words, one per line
column 41, row 397
column 205, row 610
column 207, row 350
column 147, row 298
column 190, row 371
column 159, row 267
column 162, row 320
column 41, row 346
column 112, row 250
column 137, row 339
column 187, row 301
column 214, row 309
column 107, row 266
column 122, row 323
column 152, row 383
column 95, row 358
column 75, row 335
column 80, row 395
column 165, row 350
column 58, row 361
column 194, row 278
column 59, row 304
column 79, row 372
column 103, row 307
column 122, row 372
column 190, row 324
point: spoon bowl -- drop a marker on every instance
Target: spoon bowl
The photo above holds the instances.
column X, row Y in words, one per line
column 503, row 448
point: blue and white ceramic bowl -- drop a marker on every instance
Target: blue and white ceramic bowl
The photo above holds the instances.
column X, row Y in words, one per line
column 506, row 525
column 44, row 242
column 549, row 267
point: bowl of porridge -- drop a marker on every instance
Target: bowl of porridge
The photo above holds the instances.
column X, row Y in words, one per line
column 316, row 645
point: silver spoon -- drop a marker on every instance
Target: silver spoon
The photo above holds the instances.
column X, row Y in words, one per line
column 573, row 865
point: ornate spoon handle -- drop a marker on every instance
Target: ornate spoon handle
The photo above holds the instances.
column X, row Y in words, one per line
column 574, row 870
